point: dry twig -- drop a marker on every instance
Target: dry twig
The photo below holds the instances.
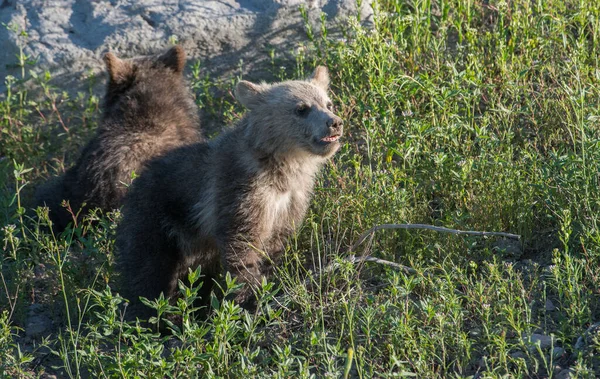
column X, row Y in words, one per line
column 369, row 232
column 369, row 258
column 409, row 270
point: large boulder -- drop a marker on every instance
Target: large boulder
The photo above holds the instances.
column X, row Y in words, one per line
column 69, row 37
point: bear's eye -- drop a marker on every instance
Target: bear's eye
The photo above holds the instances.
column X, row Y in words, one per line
column 330, row 106
column 302, row 110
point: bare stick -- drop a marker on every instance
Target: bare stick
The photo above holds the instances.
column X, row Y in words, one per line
column 369, row 258
column 369, row 232
column 10, row 302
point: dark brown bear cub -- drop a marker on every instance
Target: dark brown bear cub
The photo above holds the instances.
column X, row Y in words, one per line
column 148, row 110
column 224, row 204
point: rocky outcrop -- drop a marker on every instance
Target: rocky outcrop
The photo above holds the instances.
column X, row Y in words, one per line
column 69, row 37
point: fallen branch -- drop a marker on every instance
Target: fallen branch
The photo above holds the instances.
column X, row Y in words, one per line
column 409, row 270
column 369, row 258
column 369, row 232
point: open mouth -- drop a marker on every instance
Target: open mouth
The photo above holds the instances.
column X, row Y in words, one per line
column 330, row 139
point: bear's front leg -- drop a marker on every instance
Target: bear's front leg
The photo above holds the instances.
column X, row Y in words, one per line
column 244, row 262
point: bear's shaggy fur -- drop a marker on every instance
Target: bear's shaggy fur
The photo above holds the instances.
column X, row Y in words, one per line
column 148, row 110
column 224, row 204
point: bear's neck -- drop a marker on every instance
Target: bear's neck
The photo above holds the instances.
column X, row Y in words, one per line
column 150, row 113
column 286, row 167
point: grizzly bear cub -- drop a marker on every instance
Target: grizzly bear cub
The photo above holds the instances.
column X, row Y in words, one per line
column 228, row 203
column 148, row 110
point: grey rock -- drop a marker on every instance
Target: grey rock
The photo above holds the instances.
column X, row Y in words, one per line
column 566, row 374
column 518, row 355
column 509, row 248
column 38, row 323
column 543, row 340
column 557, row 369
column 580, row 344
column 69, row 37
column 549, row 306
column 584, row 341
column 482, row 362
column 593, row 331
column 36, row 308
column 558, row 352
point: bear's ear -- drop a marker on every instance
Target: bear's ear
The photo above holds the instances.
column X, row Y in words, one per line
column 118, row 69
column 249, row 94
column 174, row 59
column 320, row 77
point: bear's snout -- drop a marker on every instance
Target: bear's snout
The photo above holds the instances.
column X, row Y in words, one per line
column 335, row 125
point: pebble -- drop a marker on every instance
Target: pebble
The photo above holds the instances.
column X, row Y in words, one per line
column 544, row 341
column 509, row 248
column 38, row 323
column 566, row 374
column 550, row 306
column 583, row 341
column 557, row 352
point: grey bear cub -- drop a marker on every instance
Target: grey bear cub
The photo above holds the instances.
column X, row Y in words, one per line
column 226, row 203
column 147, row 111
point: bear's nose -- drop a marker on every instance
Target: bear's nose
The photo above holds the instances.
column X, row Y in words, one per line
column 335, row 123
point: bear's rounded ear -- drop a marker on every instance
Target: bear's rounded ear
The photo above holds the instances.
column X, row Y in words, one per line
column 118, row 69
column 320, row 77
column 174, row 59
column 249, row 94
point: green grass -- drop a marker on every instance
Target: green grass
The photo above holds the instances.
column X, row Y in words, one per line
column 468, row 115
